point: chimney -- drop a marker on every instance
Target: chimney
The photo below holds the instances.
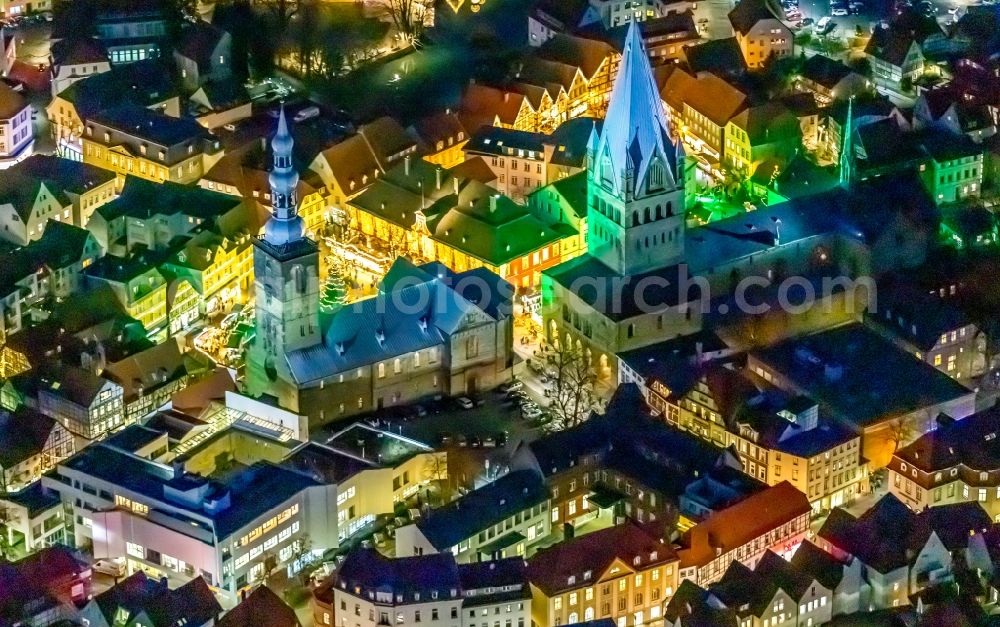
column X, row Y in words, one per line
column 437, row 177
column 454, row 180
column 506, row 96
column 493, row 203
column 406, row 165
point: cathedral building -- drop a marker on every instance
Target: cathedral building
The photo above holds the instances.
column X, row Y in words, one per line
column 647, row 278
column 428, row 332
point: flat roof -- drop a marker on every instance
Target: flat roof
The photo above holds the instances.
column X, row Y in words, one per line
column 860, row 376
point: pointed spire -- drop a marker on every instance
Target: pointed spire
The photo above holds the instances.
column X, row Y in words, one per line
column 847, row 146
column 635, row 126
column 285, row 225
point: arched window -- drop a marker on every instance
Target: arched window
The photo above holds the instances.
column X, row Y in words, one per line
column 659, row 212
column 607, row 175
column 645, row 215
column 299, row 279
column 670, row 208
column 635, row 219
column 630, row 331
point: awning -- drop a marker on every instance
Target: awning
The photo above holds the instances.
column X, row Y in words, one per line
column 502, row 543
column 604, row 498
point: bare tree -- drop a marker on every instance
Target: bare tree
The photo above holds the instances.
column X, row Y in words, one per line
column 6, row 518
column 899, row 432
column 571, row 386
column 283, row 10
column 408, row 16
column 436, row 470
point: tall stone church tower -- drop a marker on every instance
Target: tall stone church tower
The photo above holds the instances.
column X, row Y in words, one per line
column 286, row 271
column 635, row 193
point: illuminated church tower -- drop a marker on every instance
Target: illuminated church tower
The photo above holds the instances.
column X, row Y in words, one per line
column 635, row 192
column 286, row 271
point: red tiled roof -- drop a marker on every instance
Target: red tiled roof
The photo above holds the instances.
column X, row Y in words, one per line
column 735, row 526
column 550, row 570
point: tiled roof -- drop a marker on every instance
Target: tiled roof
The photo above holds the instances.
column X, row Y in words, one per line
column 150, row 125
column 822, row 566
column 199, row 41
column 886, row 536
column 143, row 83
column 722, row 57
column 971, row 441
column 145, row 199
column 714, row 98
column 262, row 608
column 586, row 54
column 78, row 51
column 405, row 576
column 566, row 565
column 11, row 102
column 389, row 325
column 23, row 433
column 482, row 508
column 748, row 13
column 739, row 524
column 823, row 70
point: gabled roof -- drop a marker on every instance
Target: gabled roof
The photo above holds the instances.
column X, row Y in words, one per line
column 570, row 141
column 11, row 102
column 731, row 528
column 916, row 315
column 78, row 50
column 481, row 104
column 74, row 384
column 889, row 535
column 156, row 127
column 138, row 595
column 262, row 608
column 489, row 226
column 635, row 128
column 495, row 140
column 405, row 576
column 463, row 518
column 715, row 98
column 819, row 564
column 971, row 441
column 23, row 433
column 722, row 57
column 391, row 324
column 584, row 53
column 387, row 139
column 144, row 199
column 553, row 569
column 199, row 41
column 825, row 71
column 148, row 369
column 748, row 13
column 442, row 126
column 143, row 83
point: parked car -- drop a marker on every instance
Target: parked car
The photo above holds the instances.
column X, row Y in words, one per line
column 838, row 12
column 510, row 386
column 111, row 567
column 465, row 402
column 531, row 413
